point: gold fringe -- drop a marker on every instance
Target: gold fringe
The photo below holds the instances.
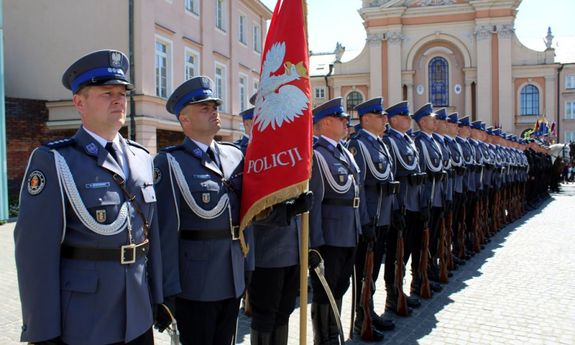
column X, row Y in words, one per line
column 268, row 201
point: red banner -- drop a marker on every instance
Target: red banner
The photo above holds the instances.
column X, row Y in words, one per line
column 278, row 159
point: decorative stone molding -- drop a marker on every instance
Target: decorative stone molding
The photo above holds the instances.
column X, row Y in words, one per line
column 505, row 30
column 374, row 37
column 394, row 37
column 482, row 32
column 424, row 3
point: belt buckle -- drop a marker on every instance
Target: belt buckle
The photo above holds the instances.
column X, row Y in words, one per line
column 130, row 251
column 235, row 230
column 356, row 202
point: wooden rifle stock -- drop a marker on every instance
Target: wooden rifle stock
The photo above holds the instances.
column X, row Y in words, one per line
column 476, row 226
column 366, row 325
column 247, row 304
column 425, row 288
column 449, row 228
column 401, row 309
column 442, row 252
column 461, row 232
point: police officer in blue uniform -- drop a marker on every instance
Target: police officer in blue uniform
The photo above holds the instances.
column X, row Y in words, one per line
column 430, row 162
column 335, row 219
column 469, row 187
column 87, row 241
column 199, row 191
column 247, row 119
column 375, row 164
column 407, row 172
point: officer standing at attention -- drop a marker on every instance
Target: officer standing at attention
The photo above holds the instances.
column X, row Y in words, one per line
column 247, row 119
column 335, row 222
column 198, row 185
column 430, row 162
column 375, row 164
column 407, row 172
column 87, row 242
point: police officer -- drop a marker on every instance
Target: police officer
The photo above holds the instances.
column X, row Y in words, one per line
column 247, row 119
column 469, row 186
column 407, row 172
column 198, row 185
column 430, row 162
column 87, row 242
column 335, row 222
column 375, row 164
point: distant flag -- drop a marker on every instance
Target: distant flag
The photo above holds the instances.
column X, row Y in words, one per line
column 278, row 159
column 553, row 128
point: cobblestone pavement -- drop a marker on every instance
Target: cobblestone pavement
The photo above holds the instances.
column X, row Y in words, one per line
column 519, row 290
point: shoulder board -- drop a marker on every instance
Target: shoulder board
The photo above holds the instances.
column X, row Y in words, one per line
column 56, row 144
column 172, row 148
column 229, row 144
column 133, row 143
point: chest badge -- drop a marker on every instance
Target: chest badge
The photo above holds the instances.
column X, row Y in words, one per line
column 342, row 178
column 205, row 198
column 380, row 166
column 100, row 216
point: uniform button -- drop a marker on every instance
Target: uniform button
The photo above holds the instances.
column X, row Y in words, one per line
column 100, row 199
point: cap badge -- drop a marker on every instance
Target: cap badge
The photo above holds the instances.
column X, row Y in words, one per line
column 115, row 59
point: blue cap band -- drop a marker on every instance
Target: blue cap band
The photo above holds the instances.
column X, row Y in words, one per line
column 330, row 111
column 103, row 72
column 196, row 95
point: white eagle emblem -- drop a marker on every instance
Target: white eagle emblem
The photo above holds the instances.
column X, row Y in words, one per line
column 277, row 102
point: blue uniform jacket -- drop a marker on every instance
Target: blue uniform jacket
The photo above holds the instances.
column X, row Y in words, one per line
column 331, row 224
column 405, row 163
column 376, row 166
column 82, row 301
column 469, row 163
column 431, row 162
column 446, row 162
column 201, row 270
column 457, row 164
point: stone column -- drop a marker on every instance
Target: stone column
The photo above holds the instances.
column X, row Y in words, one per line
column 483, row 38
column 394, row 39
column 376, row 72
column 506, row 99
column 550, row 98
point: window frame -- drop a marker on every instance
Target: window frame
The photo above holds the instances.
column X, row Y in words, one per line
column 220, row 82
column 194, row 9
column 349, row 109
column 257, row 37
column 220, row 15
column 523, row 110
column 438, row 86
column 570, row 81
column 242, row 87
column 242, row 20
column 569, row 115
column 196, row 66
column 169, row 65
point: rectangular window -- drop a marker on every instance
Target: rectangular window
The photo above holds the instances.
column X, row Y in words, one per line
column 220, row 14
column 163, row 51
column 220, row 85
column 242, row 29
column 192, row 6
column 191, row 64
column 570, row 110
column 569, row 136
column 319, row 92
column 257, row 38
column 570, row 81
column 243, row 93
column 256, row 86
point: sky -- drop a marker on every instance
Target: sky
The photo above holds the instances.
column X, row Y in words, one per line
column 332, row 21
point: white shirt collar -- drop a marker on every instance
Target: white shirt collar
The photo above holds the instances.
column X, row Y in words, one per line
column 103, row 142
column 331, row 141
column 396, row 131
column 371, row 134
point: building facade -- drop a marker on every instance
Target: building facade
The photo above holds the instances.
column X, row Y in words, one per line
column 459, row 54
column 168, row 42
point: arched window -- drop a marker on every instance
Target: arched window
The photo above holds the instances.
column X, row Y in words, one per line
column 353, row 98
column 529, row 100
column 439, row 82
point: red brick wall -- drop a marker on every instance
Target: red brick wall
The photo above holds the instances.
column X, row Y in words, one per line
column 25, row 130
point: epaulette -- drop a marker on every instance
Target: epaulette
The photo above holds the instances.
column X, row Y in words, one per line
column 229, row 144
column 56, row 144
column 133, row 143
column 172, row 148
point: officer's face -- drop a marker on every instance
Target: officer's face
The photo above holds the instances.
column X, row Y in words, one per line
column 200, row 119
column 102, row 108
column 374, row 123
column 401, row 122
column 427, row 124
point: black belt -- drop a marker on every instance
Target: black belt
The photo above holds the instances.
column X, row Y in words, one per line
column 208, row 235
column 342, row 202
column 387, row 188
column 127, row 254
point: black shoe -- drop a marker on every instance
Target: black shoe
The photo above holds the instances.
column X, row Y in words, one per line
column 435, row 287
column 376, row 336
column 458, row 261
column 413, row 301
column 381, row 324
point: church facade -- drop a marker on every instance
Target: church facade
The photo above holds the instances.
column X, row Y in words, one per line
column 457, row 54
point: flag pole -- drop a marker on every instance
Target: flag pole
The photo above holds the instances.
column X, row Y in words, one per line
column 304, row 235
column 303, row 279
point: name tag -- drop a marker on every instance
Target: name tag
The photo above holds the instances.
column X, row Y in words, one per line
column 148, row 193
column 96, row 185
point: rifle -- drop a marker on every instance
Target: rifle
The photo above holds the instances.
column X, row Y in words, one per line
column 401, row 308
column 441, row 252
column 448, row 240
column 425, row 289
column 461, row 227
column 366, row 325
column 367, row 282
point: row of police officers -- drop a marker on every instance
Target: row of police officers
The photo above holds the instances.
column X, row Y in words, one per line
column 110, row 241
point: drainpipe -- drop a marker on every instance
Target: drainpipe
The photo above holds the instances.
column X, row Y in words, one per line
column 326, row 82
column 559, row 101
column 132, row 72
column 3, row 166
